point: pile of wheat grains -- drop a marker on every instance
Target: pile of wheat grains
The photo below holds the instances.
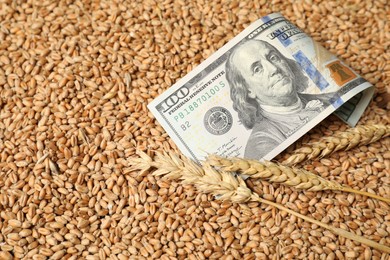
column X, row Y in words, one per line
column 75, row 80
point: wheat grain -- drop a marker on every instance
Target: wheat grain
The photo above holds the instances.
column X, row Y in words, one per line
column 345, row 140
column 225, row 186
column 277, row 173
column 58, row 59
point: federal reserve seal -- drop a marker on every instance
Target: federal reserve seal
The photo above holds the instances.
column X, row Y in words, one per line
column 218, row 120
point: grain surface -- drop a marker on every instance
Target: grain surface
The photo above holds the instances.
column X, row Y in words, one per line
column 75, row 80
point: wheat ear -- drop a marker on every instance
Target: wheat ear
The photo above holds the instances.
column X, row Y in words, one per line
column 360, row 135
column 225, row 186
column 276, row 173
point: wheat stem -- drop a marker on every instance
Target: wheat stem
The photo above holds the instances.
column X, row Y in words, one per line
column 337, row 231
column 358, row 136
column 226, row 186
column 364, row 193
column 276, row 173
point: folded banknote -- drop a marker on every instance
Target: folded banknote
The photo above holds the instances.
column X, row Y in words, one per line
column 259, row 93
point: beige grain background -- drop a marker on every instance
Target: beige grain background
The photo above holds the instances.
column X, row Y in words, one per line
column 75, row 79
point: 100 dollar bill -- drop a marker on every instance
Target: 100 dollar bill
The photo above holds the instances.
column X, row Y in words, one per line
column 259, row 93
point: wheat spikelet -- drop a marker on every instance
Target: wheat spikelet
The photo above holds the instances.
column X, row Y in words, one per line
column 360, row 135
column 276, row 173
column 205, row 178
column 224, row 185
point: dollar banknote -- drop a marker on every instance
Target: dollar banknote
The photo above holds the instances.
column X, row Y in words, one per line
column 259, row 93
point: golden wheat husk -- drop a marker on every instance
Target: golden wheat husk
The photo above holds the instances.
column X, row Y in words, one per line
column 345, row 140
column 277, row 173
column 225, row 186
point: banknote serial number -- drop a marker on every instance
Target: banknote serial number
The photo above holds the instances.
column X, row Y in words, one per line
column 178, row 99
column 194, row 105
